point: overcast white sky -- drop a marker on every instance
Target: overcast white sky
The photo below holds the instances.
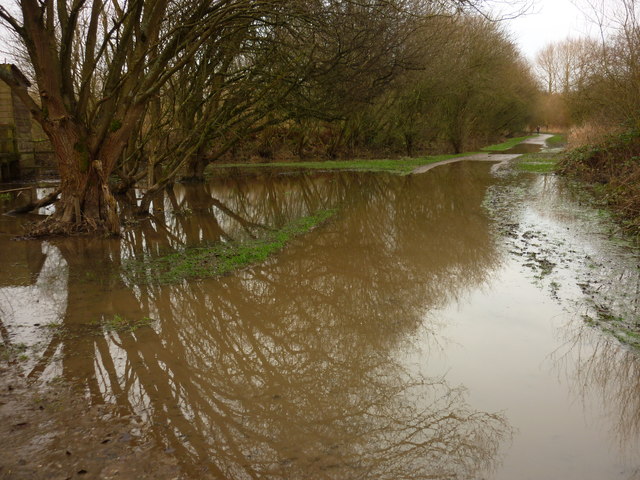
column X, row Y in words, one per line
column 548, row 21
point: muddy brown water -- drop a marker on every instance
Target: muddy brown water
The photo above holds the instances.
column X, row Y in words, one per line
column 417, row 334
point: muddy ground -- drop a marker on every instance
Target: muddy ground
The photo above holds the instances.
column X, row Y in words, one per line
column 49, row 432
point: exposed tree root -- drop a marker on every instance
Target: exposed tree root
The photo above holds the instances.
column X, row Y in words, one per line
column 54, row 227
column 43, row 202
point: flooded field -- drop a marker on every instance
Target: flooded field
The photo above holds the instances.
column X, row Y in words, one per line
column 452, row 324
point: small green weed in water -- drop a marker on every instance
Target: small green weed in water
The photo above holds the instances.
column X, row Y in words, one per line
column 118, row 323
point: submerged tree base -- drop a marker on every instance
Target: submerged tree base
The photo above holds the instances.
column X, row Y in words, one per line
column 55, row 227
column 221, row 258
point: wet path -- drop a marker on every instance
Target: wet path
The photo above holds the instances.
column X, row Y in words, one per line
column 418, row 334
column 530, row 145
column 501, row 158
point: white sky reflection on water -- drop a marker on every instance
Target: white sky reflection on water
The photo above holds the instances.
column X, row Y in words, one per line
column 499, row 344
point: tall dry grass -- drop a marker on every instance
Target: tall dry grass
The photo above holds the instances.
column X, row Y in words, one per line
column 590, row 133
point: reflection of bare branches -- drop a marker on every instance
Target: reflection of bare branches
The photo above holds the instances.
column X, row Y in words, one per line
column 246, row 225
column 255, row 407
column 46, row 357
column 289, row 369
column 612, row 371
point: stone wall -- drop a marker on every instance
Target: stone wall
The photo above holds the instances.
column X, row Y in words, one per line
column 6, row 104
column 16, row 144
column 23, row 139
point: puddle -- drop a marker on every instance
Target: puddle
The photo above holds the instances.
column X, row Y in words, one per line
column 403, row 339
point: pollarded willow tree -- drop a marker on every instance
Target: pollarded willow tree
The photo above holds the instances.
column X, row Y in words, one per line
column 97, row 65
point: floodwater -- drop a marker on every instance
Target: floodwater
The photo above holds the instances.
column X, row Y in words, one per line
column 433, row 328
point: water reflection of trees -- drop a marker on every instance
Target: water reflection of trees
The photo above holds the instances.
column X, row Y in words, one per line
column 289, row 369
column 611, row 371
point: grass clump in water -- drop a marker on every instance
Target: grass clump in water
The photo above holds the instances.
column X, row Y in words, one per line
column 219, row 259
column 12, row 352
column 537, row 163
column 118, row 323
column 625, row 332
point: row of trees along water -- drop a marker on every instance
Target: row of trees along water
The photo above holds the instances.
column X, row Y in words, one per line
column 134, row 92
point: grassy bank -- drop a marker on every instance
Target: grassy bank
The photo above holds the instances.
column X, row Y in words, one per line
column 221, row 258
column 557, row 141
column 611, row 170
column 400, row 166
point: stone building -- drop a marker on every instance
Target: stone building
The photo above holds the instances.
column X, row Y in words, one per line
column 16, row 141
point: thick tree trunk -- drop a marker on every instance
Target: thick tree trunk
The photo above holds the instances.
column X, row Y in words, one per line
column 195, row 168
column 86, row 203
column 408, row 143
column 92, row 208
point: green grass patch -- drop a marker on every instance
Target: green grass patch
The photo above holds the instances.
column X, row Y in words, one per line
column 401, row 166
column 557, row 141
column 501, row 147
column 221, row 258
column 537, row 163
